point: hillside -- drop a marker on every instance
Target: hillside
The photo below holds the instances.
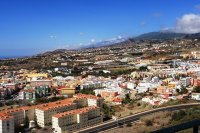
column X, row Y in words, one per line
column 193, row 36
column 159, row 36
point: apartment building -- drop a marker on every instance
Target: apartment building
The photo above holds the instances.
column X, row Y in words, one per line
column 27, row 94
column 163, row 90
column 10, row 86
column 91, row 85
column 18, row 115
column 41, row 82
column 185, row 81
column 73, row 120
column 44, row 112
column 156, row 67
column 91, row 99
column 14, row 118
column 67, row 90
column 80, row 101
column 6, row 123
column 32, row 75
column 29, row 112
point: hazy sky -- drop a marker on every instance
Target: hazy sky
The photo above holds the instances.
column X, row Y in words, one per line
column 33, row 26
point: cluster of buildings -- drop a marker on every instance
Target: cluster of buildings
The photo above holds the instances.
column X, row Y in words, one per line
column 169, row 82
column 65, row 115
column 163, row 80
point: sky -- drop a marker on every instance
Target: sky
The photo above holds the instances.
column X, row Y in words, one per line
column 28, row 27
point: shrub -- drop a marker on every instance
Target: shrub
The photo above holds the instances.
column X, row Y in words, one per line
column 148, row 123
column 138, row 104
column 128, row 125
column 196, row 89
column 178, row 115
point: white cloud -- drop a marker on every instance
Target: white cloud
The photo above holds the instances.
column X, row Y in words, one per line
column 81, row 33
column 52, row 36
column 119, row 37
column 188, row 23
column 92, row 40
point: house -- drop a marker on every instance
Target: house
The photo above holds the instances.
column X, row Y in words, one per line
column 29, row 94
column 41, row 82
column 163, row 90
column 146, row 86
column 116, row 101
column 196, row 54
column 195, row 96
column 195, row 82
column 131, row 85
column 109, row 93
column 67, row 90
column 156, row 67
column 185, row 81
column 154, row 100
column 172, row 85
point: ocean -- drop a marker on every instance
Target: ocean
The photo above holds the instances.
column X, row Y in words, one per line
column 10, row 57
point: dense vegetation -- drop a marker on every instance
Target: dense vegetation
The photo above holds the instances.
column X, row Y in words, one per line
column 87, row 91
column 47, row 100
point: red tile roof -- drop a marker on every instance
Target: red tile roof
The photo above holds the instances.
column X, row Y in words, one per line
column 77, row 111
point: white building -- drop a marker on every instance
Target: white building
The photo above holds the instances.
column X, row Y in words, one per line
column 131, row 85
column 45, row 112
column 185, row 81
column 91, row 99
column 6, row 124
column 91, row 85
column 42, row 114
column 154, row 100
column 196, row 96
column 73, row 120
column 18, row 115
column 145, row 86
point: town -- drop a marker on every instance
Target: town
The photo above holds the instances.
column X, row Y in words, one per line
column 69, row 90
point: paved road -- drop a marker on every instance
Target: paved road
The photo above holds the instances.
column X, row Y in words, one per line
column 132, row 118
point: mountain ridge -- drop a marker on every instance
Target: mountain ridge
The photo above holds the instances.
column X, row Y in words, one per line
column 160, row 35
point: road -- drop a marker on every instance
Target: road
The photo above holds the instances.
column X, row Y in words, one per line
column 131, row 118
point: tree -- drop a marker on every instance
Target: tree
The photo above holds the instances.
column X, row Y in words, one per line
column 127, row 99
column 54, row 92
column 181, row 91
column 108, row 111
column 143, row 68
column 178, row 91
column 87, row 91
column 98, row 95
column 138, row 104
column 196, row 89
